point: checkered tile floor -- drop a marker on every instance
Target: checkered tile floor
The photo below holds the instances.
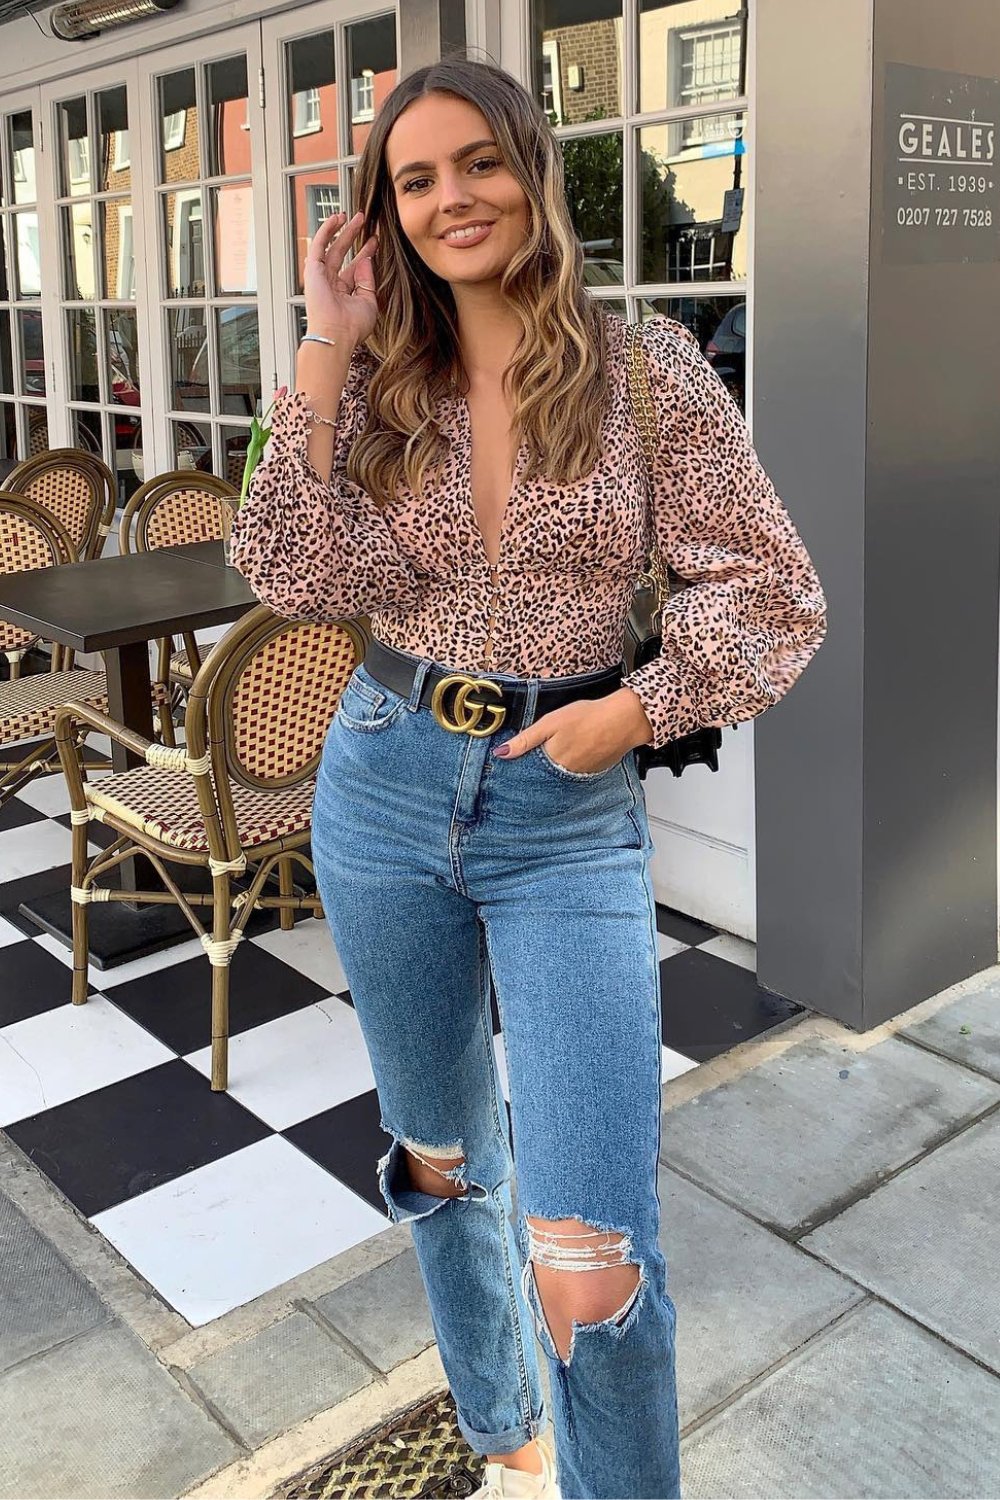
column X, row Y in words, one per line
column 216, row 1198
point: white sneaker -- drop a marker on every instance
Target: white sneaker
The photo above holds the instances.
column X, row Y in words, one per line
column 505, row 1483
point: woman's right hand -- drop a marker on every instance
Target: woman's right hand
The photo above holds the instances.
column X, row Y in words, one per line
column 340, row 301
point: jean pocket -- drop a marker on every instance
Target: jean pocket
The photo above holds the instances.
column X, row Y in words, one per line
column 367, row 706
column 564, row 771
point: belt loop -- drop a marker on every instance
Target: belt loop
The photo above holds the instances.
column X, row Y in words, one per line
column 419, row 676
column 530, row 702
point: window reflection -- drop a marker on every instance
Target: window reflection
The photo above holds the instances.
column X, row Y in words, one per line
column 691, row 52
column 228, row 117
column 115, row 169
column 692, row 225
column 371, row 66
column 312, row 98
column 32, row 380
column 579, row 61
column 180, row 157
column 75, row 153
column 593, row 174
column 21, row 148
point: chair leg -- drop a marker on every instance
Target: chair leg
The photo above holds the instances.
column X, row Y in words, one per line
column 14, row 661
column 286, row 917
column 81, row 912
column 222, row 912
column 166, row 724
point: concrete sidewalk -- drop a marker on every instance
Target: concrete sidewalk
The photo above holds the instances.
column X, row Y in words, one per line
column 829, row 1219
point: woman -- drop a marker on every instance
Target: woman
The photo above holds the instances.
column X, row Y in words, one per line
column 459, row 461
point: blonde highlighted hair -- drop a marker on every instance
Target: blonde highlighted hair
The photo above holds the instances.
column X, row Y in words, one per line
column 557, row 378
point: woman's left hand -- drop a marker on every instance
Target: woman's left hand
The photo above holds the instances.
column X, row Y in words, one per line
column 587, row 736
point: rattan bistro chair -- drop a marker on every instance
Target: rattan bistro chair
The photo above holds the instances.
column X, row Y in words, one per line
column 236, row 800
column 30, row 538
column 171, row 509
column 77, row 488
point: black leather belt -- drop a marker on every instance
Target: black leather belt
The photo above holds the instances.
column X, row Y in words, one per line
column 474, row 703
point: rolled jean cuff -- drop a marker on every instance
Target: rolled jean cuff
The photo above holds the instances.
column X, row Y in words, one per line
column 503, row 1442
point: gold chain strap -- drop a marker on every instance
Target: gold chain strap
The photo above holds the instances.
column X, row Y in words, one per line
column 645, row 419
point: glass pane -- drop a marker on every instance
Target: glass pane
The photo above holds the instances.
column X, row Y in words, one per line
column 235, row 256
column 315, row 196
column 26, row 258
column 128, row 464
column 298, row 323
column 8, row 234
column 118, row 259
column 8, row 431
column 185, row 243
column 235, row 441
column 578, row 60
column 187, row 340
column 593, row 169
column 78, row 251
column 691, row 223
column 6, row 354
column 312, row 99
column 122, row 349
column 690, row 52
column 180, row 160
column 81, row 329
column 115, row 170
column 29, row 328
column 87, row 431
column 720, row 326
column 21, row 156
column 372, row 68
column 239, row 360
column 74, row 147
column 228, row 118
column 192, row 445
column 38, row 430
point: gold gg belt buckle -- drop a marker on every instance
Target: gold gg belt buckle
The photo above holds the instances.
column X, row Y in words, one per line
column 461, row 716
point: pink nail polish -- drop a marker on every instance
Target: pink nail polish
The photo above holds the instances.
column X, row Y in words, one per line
column 501, row 750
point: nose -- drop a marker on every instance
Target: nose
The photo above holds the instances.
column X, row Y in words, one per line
column 454, row 194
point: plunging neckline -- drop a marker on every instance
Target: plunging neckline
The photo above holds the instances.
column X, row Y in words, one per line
column 466, row 420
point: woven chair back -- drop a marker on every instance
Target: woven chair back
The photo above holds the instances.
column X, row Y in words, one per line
column 29, row 539
column 175, row 508
column 67, row 483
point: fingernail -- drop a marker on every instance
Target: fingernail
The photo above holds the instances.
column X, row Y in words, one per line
column 501, row 750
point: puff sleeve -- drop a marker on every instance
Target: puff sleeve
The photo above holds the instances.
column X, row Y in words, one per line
column 739, row 636
column 311, row 549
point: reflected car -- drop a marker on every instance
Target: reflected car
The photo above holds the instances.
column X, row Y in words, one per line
column 726, row 351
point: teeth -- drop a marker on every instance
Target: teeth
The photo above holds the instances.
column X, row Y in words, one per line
column 464, row 234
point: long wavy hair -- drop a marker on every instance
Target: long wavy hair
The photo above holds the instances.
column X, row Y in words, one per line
column 558, row 374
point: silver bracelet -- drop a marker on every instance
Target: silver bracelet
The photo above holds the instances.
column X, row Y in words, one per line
column 317, row 338
column 327, row 421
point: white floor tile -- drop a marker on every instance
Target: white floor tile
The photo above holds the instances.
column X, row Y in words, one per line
column 47, row 794
column 736, row 949
column 297, row 1066
column 107, row 979
column 674, row 1064
column 499, row 1052
column 668, row 946
column 35, row 847
column 69, row 1051
column 9, row 934
column 223, row 1234
column 308, row 948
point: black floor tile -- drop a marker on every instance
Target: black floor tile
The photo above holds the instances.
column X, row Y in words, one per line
column 110, row 1145
column 27, row 888
column 176, row 1003
column 17, row 814
column 347, row 1141
column 33, row 981
column 685, row 929
column 710, row 1004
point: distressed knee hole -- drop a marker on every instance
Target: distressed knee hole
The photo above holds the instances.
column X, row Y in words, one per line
column 434, row 1169
column 410, row 1172
column 563, row 1300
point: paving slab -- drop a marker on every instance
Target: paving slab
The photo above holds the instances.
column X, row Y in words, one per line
column 745, row 1298
column 875, row 1407
column 281, row 1376
column 929, row 1241
column 979, row 1045
column 384, row 1313
column 100, row 1417
column 793, row 1142
column 43, row 1301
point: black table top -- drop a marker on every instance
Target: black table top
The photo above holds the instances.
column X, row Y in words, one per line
column 116, row 601
column 203, row 552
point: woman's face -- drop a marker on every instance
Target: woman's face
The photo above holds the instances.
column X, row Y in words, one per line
column 434, row 193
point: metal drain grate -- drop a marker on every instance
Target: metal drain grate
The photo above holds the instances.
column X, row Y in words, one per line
column 421, row 1453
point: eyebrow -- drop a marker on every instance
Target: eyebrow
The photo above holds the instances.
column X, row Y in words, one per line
column 428, row 166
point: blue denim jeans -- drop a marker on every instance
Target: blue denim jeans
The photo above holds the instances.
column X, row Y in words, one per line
column 443, row 871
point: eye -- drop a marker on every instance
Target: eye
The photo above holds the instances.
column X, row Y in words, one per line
column 488, row 161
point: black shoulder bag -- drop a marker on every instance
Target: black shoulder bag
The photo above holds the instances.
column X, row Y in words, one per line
column 643, row 638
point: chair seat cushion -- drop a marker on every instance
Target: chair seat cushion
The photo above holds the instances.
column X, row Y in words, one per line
column 28, row 705
column 164, row 804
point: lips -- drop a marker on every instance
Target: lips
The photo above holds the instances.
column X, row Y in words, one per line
column 475, row 225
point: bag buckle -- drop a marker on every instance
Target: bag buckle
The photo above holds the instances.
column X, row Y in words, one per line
column 462, row 716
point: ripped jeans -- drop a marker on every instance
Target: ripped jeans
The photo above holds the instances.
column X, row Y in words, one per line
column 448, row 875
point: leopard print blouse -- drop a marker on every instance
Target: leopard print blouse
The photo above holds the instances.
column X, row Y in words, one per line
column 733, row 643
